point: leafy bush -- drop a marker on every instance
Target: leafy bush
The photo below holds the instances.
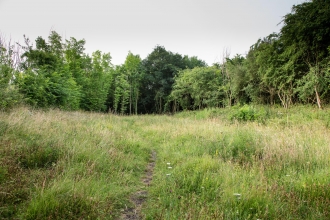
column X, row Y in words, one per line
column 9, row 98
column 248, row 113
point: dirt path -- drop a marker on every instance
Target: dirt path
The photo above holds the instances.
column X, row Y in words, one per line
column 139, row 197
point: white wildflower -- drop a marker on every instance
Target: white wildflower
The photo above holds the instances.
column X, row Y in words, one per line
column 238, row 196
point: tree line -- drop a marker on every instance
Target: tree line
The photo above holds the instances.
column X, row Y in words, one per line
column 289, row 67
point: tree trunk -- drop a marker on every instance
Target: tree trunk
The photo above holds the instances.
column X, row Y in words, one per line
column 130, row 99
column 318, row 98
column 283, row 99
column 136, row 101
column 272, row 94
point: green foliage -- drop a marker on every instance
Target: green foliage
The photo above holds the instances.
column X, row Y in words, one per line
column 96, row 83
column 121, row 94
column 248, row 113
column 124, row 89
column 9, row 97
column 282, row 68
column 34, row 87
column 160, row 69
column 270, row 72
column 135, row 74
column 6, row 71
column 292, row 65
column 58, row 74
column 197, row 88
column 236, row 79
column 65, row 90
column 49, row 90
column 192, row 62
column 47, row 81
column 306, row 39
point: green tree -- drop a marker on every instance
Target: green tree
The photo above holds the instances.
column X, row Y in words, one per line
column 96, row 83
column 46, row 79
column 236, row 71
column 197, row 88
column 134, row 73
column 269, row 72
column 253, row 88
column 121, row 90
column 306, row 37
column 76, row 59
column 160, row 67
column 9, row 61
column 192, row 62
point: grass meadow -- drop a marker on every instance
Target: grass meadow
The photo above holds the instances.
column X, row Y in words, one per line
column 234, row 163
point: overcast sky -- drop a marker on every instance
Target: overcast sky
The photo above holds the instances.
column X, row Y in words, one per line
column 189, row 27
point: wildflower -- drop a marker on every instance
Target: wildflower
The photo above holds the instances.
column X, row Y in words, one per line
column 168, row 174
column 168, row 163
column 238, row 196
column 169, row 167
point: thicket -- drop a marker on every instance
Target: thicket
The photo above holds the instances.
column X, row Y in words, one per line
column 286, row 68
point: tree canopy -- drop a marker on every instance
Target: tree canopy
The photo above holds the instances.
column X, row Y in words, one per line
column 292, row 66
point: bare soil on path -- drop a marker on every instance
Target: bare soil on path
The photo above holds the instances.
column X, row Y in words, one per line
column 139, row 197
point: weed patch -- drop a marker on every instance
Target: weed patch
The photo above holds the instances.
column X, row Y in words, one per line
column 36, row 155
column 3, row 128
column 248, row 113
column 242, row 147
column 61, row 205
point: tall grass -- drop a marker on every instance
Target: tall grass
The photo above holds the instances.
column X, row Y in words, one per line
column 68, row 165
column 210, row 165
column 222, row 169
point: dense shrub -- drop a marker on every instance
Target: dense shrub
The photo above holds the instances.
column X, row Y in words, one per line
column 9, row 97
column 248, row 113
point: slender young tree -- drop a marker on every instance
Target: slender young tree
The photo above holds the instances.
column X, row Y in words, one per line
column 134, row 73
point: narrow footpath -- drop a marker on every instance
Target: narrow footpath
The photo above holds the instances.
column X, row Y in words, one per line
column 139, row 197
